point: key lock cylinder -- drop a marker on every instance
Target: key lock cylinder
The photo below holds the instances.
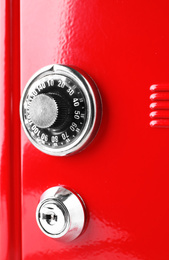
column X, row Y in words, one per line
column 60, row 112
column 61, row 214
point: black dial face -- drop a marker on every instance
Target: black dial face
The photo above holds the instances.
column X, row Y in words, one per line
column 67, row 121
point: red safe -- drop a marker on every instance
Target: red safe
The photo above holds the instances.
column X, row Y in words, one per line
column 111, row 199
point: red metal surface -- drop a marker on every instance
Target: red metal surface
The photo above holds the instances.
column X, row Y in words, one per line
column 10, row 194
column 123, row 174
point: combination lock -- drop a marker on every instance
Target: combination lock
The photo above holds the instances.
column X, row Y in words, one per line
column 60, row 110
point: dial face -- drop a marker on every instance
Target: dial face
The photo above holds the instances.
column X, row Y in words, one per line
column 65, row 124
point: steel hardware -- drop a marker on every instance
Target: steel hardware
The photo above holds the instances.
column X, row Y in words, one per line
column 61, row 213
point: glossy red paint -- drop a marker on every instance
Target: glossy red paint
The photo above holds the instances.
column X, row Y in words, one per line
column 10, row 188
column 123, row 174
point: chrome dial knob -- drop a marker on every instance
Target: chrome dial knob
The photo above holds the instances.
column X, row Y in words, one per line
column 43, row 111
column 60, row 110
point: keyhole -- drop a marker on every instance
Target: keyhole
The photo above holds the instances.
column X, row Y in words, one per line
column 50, row 217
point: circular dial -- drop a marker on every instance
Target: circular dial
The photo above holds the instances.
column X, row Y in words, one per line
column 58, row 110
